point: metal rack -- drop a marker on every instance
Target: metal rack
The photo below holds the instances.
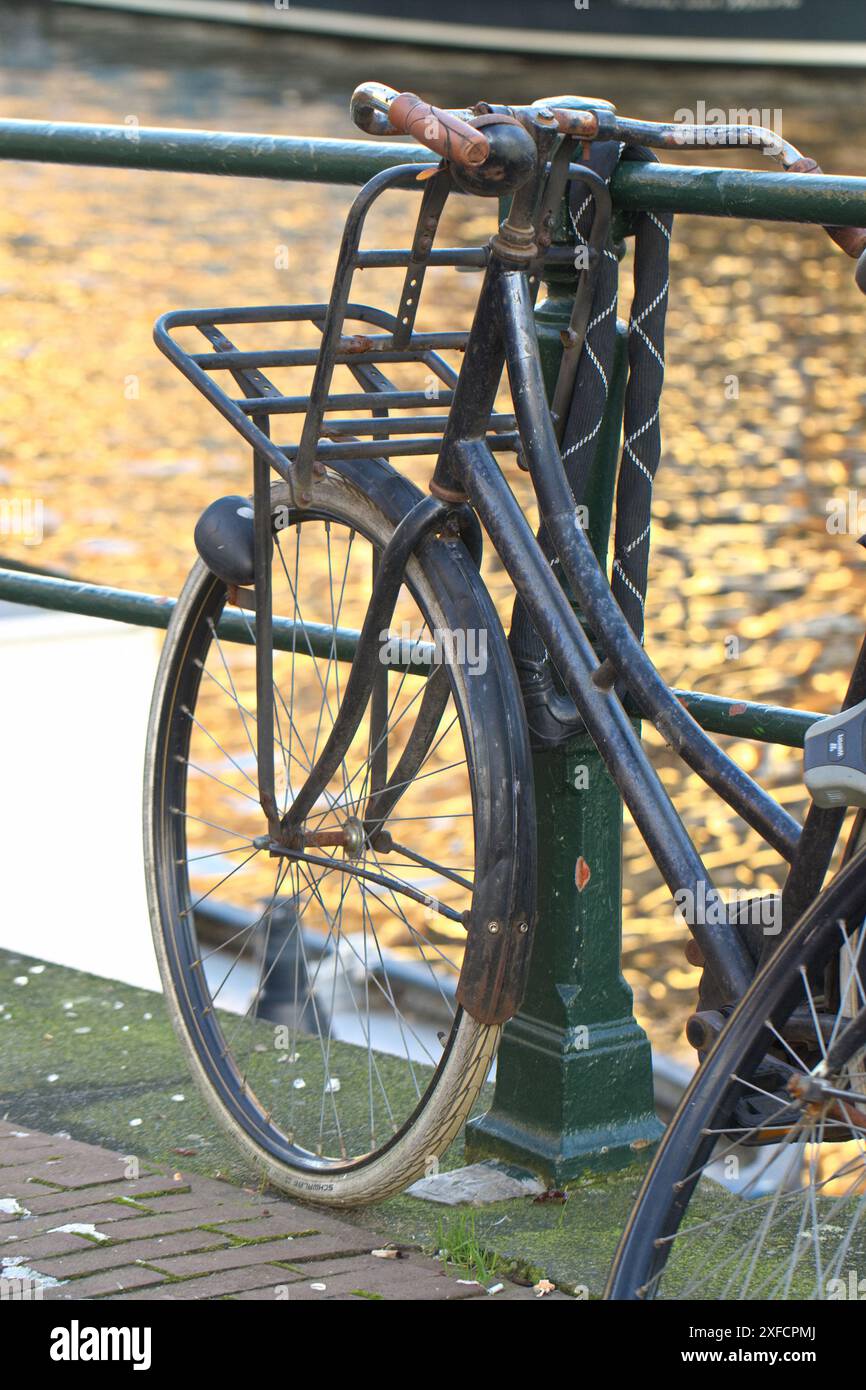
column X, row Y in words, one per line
column 328, row 432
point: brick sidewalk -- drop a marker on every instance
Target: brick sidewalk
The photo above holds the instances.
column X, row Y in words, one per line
column 162, row 1235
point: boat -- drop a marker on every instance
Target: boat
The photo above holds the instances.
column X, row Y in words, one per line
column 831, row 33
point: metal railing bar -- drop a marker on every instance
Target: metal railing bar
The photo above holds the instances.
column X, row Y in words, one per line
column 714, row 192
column 748, row 718
column 149, row 610
column 715, row 713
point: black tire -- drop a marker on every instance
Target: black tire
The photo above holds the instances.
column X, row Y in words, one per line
column 672, row 1246
column 366, row 500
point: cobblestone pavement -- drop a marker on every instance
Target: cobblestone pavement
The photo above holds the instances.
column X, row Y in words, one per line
column 80, row 1222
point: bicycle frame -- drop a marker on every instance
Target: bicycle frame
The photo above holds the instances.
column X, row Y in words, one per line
column 502, row 336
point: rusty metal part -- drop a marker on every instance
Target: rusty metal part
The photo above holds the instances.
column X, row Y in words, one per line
column 349, row 836
column 582, row 125
column 693, row 953
column 819, row 1098
column 356, row 342
column 444, row 494
column 440, row 131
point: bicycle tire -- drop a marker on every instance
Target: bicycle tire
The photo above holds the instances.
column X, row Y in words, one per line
column 640, row 1267
column 369, row 498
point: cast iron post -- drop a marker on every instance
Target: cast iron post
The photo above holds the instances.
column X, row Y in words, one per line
column 574, row 1078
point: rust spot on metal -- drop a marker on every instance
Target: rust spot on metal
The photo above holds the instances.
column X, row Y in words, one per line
column 693, row 953
column 445, row 494
column 357, row 343
column 582, row 874
column 739, row 708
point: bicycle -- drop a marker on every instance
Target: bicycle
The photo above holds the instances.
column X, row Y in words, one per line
column 377, row 832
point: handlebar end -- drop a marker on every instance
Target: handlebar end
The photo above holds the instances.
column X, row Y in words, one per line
column 369, row 106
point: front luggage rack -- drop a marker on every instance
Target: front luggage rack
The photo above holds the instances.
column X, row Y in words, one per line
column 342, row 424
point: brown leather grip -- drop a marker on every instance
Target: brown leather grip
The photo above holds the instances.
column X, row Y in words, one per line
column 852, row 240
column 440, row 131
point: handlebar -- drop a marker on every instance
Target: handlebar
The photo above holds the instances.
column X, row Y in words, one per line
column 446, row 133
column 454, row 135
column 440, row 131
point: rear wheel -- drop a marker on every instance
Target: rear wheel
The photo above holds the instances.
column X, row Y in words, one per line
column 786, row 1085
column 315, row 996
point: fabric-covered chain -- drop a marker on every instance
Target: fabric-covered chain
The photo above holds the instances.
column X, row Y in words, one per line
column 549, row 714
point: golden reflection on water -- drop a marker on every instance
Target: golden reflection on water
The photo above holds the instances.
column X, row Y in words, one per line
column 750, row 597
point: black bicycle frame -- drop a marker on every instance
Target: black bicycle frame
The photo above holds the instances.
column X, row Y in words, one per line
column 502, row 336
column 503, row 333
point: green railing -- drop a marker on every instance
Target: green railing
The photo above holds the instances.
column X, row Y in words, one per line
column 826, row 199
column 574, row 1084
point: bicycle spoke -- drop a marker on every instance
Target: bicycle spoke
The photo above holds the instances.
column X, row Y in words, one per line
column 322, row 962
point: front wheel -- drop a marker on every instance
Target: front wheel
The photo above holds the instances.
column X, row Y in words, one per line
column 316, row 995
column 783, row 1087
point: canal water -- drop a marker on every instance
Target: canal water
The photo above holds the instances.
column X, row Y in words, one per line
column 751, row 596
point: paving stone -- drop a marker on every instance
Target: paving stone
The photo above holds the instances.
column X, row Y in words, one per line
column 357, row 1281
column 50, row 1200
column 293, row 1251
column 75, row 1173
column 259, row 1281
column 110, row 1282
column 232, row 1215
column 24, row 1143
column 79, row 1173
column 107, row 1216
column 293, row 1221
column 161, row 1293
column 28, row 1170
column 117, row 1222
column 109, row 1256
column 410, row 1277
column 26, row 1190
column 139, row 1226
column 35, row 1247
column 158, row 1249
column 189, row 1200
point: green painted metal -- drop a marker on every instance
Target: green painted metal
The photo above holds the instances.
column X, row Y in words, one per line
column 749, row 719
column 766, row 194
column 574, row 1089
column 203, row 151
column 664, row 187
column 147, row 610
column 745, row 719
